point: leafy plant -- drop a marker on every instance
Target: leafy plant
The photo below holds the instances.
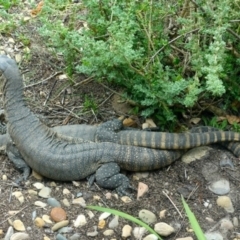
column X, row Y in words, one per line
column 166, row 55
column 89, row 103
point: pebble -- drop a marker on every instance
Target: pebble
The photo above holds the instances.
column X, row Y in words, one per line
column 79, row 194
column 151, row 237
column 4, row 177
column 40, row 204
column 108, row 195
column 114, row 222
column 66, row 191
column 66, row 230
column 126, row 199
column 225, row 225
column 220, row 187
column 195, row 154
column 79, row 201
column 39, row 222
column 38, row 185
column 213, row 236
column 226, row 203
column 58, row 214
column 60, row 225
column 90, row 214
column 104, row 216
column 162, row 214
column 147, row 216
column 9, row 233
column 163, row 229
column 80, row 221
column 75, row 236
column 108, row 232
column 46, row 219
column 126, row 231
column 101, row 224
column 20, row 236
column 32, row 192
column 65, row 202
column 36, row 175
column 139, row 175
column 45, row 192
column 138, row 232
column 142, row 189
column 19, row 196
column 235, row 221
column 60, row 237
column 53, row 202
column 226, row 162
column 18, row 57
column 94, row 233
column 18, row 225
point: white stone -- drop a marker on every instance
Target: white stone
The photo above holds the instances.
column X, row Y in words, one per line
column 147, row 216
column 18, row 225
column 38, row 185
column 104, row 216
column 66, row 202
column 108, row 232
column 126, row 231
column 20, row 236
column 80, row 221
column 80, row 201
column 45, row 192
column 40, row 204
column 151, row 237
column 220, row 187
column 163, row 229
column 138, row 232
column 213, row 236
column 113, row 223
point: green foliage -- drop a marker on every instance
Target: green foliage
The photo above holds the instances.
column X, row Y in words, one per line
column 166, row 55
column 126, row 216
column 89, row 103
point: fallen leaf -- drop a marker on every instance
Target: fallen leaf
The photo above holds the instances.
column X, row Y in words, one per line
column 233, row 119
column 37, row 10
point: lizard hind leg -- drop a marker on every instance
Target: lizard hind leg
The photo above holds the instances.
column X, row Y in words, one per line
column 109, row 176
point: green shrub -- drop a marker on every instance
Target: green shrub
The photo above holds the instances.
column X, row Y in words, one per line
column 166, row 54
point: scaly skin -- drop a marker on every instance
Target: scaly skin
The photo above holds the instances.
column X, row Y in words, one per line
column 65, row 158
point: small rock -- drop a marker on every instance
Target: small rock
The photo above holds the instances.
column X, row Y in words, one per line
column 195, row 154
column 46, row 238
column 90, row 214
column 60, row 237
column 75, row 236
column 108, row 195
column 226, row 203
column 53, row 184
column 46, row 219
column 104, row 216
column 39, row 222
column 80, row 201
column 20, row 236
column 94, row 233
column 151, row 123
column 66, row 230
column 75, row 183
column 34, row 214
column 126, row 231
column 101, row 224
column 142, row 189
column 58, row 214
column 53, row 202
column 126, row 199
column 19, row 196
column 213, row 236
column 9, row 233
column 45, row 192
column 225, row 225
column 138, row 232
column 114, row 222
column 108, row 232
column 36, row 175
column 163, row 229
column 220, row 187
column 128, row 122
column 151, row 237
column 147, row 216
column 139, row 175
column 40, row 204
column 96, row 197
column 60, row 225
column 235, row 221
column 66, row 191
column 66, row 202
column 162, row 214
column 80, row 221
column 38, row 185
column 19, row 226
column 4, row 177
column 32, row 192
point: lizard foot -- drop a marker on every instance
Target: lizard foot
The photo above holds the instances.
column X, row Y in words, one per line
column 16, row 158
column 108, row 176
